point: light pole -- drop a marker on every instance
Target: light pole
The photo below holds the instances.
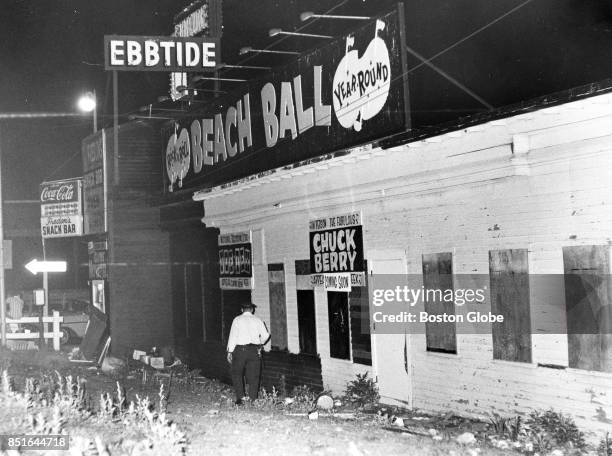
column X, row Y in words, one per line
column 88, row 103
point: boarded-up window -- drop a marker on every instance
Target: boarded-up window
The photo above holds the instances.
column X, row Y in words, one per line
column 588, row 304
column 339, row 332
column 306, row 322
column 360, row 324
column 438, row 276
column 509, row 276
column 278, row 306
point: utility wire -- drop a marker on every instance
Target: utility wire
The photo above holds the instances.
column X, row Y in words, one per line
column 465, row 38
column 447, row 76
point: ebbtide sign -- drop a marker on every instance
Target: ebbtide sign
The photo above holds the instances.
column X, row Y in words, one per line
column 160, row 53
column 336, row 252
column 235, row 261
column 349, row 92
column 61, row 208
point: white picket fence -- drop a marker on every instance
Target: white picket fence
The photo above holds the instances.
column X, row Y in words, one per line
column 54, row 334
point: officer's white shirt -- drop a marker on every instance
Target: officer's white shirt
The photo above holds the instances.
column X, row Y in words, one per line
column 247, row 329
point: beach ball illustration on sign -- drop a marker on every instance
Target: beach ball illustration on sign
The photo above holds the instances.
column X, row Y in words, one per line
column 361, row 84
column 178, row 154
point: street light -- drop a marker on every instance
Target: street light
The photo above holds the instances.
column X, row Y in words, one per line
column 277, row 31
column 87, row 103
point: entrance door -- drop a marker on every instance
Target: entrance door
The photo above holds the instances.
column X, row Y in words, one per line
column 392, row 361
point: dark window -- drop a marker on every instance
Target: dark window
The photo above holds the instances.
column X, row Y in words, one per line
column 278, row 305
column 588, row 306
column 438, row 276
column 360, row 325
column 193, row 301
column 307, row 326
column 339, row 332
column 232, row 302
column 509, row 277
column 213, row 310
column 196, row 299
column 178, row 300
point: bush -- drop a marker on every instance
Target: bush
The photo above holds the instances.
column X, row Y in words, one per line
column 362, row 391
column 552, row 429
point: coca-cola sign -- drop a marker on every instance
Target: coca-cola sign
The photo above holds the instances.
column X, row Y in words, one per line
column 59, row 192
column 61, row 208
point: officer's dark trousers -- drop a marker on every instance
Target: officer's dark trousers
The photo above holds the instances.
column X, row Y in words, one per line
column 246, row 363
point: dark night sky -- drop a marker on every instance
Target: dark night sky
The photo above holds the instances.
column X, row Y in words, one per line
column 51, row 52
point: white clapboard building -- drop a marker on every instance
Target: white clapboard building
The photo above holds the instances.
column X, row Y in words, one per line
column 528, row 190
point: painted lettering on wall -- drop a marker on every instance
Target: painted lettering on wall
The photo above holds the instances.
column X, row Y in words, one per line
column 336, row 96
column 361, row 84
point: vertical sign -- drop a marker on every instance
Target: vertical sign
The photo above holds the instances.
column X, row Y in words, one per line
column 8, row 253
column 98, row 259
column 235, row 261
column 94, row 183
column 202, row 17
column 61, row 208
column 336, row 252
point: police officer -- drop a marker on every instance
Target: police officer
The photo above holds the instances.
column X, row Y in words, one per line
column 247, row 336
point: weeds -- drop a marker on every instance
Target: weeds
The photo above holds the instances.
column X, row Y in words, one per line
column 541, row 432
column 499, row 425
column 55, row 404
column 510, row 428
column 269, row 400
column 605, row 446
column 303, row 399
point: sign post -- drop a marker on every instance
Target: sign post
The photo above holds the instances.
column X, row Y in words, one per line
column 2, row 304
column 35, row 266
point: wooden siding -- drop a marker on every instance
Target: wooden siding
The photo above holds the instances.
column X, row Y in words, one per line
column 539, row 181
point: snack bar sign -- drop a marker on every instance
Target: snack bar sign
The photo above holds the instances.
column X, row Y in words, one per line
column 336, row 252
column 61, row 208
column 235, row 261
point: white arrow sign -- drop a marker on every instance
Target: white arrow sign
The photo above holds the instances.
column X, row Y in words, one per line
column 36, row 266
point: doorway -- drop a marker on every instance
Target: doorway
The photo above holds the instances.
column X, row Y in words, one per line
column 392, row 358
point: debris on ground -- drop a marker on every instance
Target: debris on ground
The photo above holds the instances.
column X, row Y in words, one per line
column 112, row 365
column 467, row 438
column 325, row 402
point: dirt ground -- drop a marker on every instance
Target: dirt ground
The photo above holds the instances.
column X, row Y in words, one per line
column 213, row 425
